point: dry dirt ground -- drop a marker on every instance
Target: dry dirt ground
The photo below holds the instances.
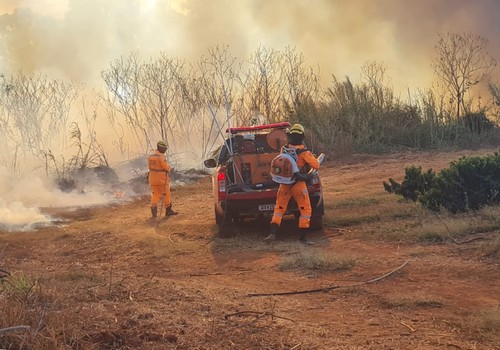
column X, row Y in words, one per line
column 111, row 279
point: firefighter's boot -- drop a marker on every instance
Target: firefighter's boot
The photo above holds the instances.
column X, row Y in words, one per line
column 272, row 234
column 154, row 212
column 169, row 211
column 302, row 236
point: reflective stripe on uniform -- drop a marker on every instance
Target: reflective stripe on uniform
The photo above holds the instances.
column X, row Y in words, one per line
column 159, row 170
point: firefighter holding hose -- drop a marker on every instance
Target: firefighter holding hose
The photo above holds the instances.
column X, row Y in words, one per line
column 159, row 181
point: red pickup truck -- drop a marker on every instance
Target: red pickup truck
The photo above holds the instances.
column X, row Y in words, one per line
column 242, row 184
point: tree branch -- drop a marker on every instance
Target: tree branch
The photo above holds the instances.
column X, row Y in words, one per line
column 326, row 289
column 14, row 329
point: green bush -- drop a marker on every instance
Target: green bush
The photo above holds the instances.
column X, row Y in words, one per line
column 468, row 184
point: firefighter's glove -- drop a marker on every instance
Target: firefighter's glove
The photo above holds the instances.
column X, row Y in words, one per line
column 309, row 176
column 299, row 176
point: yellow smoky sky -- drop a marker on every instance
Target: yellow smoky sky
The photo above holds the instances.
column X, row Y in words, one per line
column 77, row 39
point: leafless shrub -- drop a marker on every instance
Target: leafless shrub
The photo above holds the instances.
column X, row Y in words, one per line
column 461, row 62
column 148, row 95
column 34, row 110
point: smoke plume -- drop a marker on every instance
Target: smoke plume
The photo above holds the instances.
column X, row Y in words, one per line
column 77, row 39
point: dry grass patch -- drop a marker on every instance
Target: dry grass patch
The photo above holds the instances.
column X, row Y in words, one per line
column 18, row 285
column 491, row 248
column 254, row 243
column 352, row 202
column 157, row 246
column 490, row 321
column 237, row 243
column 367, row 211
column 408, row 222
column 409, row 302
column 314, row 260
column 30, row 317
column 78, row 276
column 483, row 325
column 351, row 219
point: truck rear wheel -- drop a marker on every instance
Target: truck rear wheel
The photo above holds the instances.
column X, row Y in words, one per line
column 225, row 230
column 316, row 222
column 223, row 225
column 218, row 218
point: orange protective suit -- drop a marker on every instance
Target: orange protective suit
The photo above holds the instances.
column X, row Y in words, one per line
column 298, row 191
column 158, row 179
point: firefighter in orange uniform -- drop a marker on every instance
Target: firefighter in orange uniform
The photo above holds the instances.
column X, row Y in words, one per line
column 297, row 190
column 159, row 180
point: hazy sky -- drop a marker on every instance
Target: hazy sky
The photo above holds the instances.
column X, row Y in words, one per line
column 78, row 38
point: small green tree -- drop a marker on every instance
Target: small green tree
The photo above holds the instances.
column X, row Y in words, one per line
column 468, row 184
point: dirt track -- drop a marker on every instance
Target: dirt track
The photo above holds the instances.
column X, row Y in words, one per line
column 119, row 281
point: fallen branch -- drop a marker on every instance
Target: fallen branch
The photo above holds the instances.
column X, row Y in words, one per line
column 257, row 314
column 386, row 275
column 14, row 329
column 332, row 235
column 205, row 274
column 237, row 271
column 468, row 240
column 408, row 326
column 329, row 288
column 325, row 289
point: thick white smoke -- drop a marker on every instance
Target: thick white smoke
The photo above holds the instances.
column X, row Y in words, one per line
column 24, row 199
column 16, row 216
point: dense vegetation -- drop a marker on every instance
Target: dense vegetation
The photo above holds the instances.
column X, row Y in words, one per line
column 468, row 184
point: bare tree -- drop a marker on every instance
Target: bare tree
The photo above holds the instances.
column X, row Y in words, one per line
column 122, row 80
column 277, row 85
column 35, row 108
column 34, row 111
column 146, row 94
column 174, row 100
column 373, row 73
column 219, row 81
column 461, row 62
column 264, row 85
column 161, row 95
column 302, row 81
